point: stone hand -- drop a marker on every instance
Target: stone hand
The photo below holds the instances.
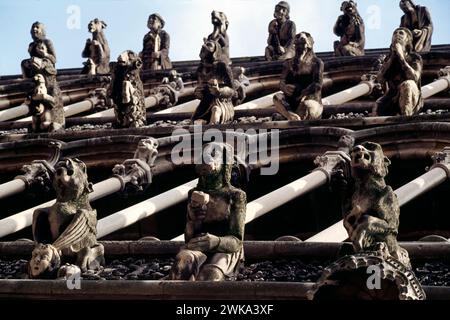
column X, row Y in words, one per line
column 198, row 92
column 197, row 213
column 417, row 33
column 207, row 242
column 282, row 50
column 398, row 48
column 156, row 55
column 289, row 90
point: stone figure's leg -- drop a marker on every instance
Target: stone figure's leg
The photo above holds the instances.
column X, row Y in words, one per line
column 283, row 107
column 270, row 53
column 187, row 265
column 385, row 106
column 216, row 115
column 310, row 110
column 211, row 272
column 26, row 68
column 337, row 49
column 409, row 98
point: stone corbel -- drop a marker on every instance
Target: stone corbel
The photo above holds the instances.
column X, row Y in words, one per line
column 135, row 174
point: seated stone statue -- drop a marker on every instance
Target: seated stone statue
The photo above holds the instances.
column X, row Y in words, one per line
column 70, row 225
column 372, row 212
column 155, row 52
column 219, row 34
column 350, row 28
column 378, row 268
column 418, row 20
column 214, row 87
column 46, row 110
column 127, row 91
column 215, row 224
column 401, row 75
column 42, row 53
column 96, row 50
column 282, row 33
column 301, row 83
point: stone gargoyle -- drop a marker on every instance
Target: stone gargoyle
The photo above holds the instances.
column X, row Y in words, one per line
column 68, row 226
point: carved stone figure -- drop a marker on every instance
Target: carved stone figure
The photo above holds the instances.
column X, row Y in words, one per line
column 70, row 225
column 241, row 82
column 214, row 87
column 219, row 34
column 401, row 75
column 155, row 52
column 215, row 221
column 170, row 88
column 418, row 20
column 350, row 28
column 42, row 53
column 282, row 33
column 96, row 50
column 127, row 91
column 371, row 218
column 46, row 107
column 372, row 211
column 301, row 83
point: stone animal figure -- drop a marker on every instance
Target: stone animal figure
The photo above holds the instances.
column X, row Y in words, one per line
column 96, row 50
column 46, row 108
column 147, row 150
column 127, row 91
column 42, row 53
column 215, row 87
column 219, row 34
column 215, row 224
column 418, row 20
column 155, row 52
column 350, row 28
column 301, row 83
column 401, row 77
column 69, row 225
column 282, row 31
column 371, row 209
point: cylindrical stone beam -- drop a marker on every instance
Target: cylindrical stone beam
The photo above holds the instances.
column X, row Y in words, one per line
column 12, row 187
column 14, row 113
column 144, row 209
column 362, row 89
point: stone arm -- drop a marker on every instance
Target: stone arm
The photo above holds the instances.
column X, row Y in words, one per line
column 51, row 55
column 381, row 76
column 292, row 33
column 316, row 86
column 361, row 29
column 165, row 44
column 287, row 66
column 233, row 242
column 413, row 70
column 273, row 39
column 339, row 28
column 227, row 89
column 87, row 49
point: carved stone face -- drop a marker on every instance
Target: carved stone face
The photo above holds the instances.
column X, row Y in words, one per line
column 281, row 12
column 209, row 50
column 349, row 7
column 96, row 26
column 304, row 41
column 219, row 19
column 402, row 36
column 37, row 31
column 129, row 59
column 406, row 6
column 369, row 158
column 215, row 156
column 70, row 180
column 41, row 260
column 154, row 23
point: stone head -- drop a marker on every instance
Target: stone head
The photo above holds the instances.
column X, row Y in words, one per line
column 282, row 10
column 38, row 30
column 155, row 22
column 70, row 180
column 368, row 159
column 96, row 25
column 45, row 261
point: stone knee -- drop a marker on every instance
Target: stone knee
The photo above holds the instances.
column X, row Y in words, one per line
column 311, row 110
column 409, row 98
column 185, row 266
column 211, row 273
column 216, row 114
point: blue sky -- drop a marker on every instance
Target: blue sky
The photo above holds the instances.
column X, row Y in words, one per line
column 188, row 21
